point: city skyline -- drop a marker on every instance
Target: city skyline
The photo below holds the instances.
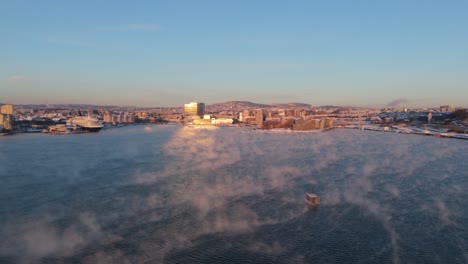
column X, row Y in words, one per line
column 166, row 54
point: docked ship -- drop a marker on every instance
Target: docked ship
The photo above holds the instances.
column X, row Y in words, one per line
column 86, row 123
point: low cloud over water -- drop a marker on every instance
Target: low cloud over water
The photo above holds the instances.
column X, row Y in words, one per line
column 179, row 192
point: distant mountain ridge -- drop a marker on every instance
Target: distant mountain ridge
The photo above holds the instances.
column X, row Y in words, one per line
column 237, row 104
column 291, row 105
column 341, row 106
column 251, row 105
column 209, row 107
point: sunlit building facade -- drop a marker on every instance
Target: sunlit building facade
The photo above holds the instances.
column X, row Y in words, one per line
column 194, row 109
column 7, row 109
column 258, row 118
column 6, row 119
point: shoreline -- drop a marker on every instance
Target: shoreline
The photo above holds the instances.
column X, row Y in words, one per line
column 399, row 130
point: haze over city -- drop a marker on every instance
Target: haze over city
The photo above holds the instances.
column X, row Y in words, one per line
column 166, row 53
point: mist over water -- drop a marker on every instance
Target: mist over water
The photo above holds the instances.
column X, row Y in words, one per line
column 169, row 194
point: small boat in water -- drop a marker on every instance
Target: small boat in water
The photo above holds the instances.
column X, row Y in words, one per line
column 33, row 130
column 312, row 199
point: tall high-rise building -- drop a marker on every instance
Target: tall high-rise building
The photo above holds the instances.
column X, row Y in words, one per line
column 259, row 118
column 194, row 109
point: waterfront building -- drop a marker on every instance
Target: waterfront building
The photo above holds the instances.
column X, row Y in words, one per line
column 6, row 122
column 196, row 120
column 246, row 114
column 249, row 120
column 221, row 121
column 128, row 118
column 328, row 123
column 7, row 109
column 117, row 119
column 142, row 115
column 322, row 124
column 447, row 108
column 108, row 118
column 6, row 117
column 304, row 124
column 194, row 109
column 281, row 113
column 259, row 118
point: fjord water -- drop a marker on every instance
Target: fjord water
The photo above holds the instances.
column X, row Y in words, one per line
column 169, row 194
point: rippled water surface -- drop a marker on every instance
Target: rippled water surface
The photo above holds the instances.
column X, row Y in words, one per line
column 168, row 194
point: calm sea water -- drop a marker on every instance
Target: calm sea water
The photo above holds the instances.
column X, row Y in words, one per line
column 168, row 194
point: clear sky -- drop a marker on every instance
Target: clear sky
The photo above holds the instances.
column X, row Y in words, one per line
column 165, row 53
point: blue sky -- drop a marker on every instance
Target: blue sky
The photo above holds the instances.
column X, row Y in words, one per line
column 165, row 53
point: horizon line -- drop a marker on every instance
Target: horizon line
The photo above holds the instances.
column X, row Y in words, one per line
column 238, row 101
